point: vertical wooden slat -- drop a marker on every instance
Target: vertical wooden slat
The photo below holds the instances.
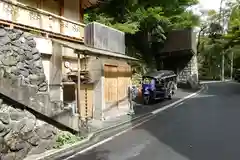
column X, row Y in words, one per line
column 117, row 79
column 123, row 81
column 111, row 88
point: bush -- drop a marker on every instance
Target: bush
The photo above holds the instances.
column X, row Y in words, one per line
column 64, row 138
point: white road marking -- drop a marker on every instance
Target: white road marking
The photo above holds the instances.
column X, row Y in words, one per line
column 109, row 138
column 175, row 103
column 179, row 104
column 122, row 132
column 206, row 82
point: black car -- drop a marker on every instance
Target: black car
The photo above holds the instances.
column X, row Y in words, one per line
column 158, row 85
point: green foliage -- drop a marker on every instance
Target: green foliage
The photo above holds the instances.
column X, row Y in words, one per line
column 185, row 20
column 64, row 138
column 215, row 41
column 145, row 23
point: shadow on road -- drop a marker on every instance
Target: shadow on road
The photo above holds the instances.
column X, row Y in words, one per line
column 202, row 128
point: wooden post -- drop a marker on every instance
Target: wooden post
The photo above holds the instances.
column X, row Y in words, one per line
column 81, row 9
column 40, row 6
column 79, row 84
column 76, row 97
column 61, row 14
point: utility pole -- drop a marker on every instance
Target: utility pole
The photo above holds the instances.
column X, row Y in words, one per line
column 223, row 58
column 222, row 67
column 232, row 56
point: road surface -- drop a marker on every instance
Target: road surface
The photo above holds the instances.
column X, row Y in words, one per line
column 206, row 127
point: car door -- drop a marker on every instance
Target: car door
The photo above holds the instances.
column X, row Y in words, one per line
column 159, row 87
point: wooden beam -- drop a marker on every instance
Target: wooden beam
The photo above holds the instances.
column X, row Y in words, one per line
column 81, row 9
column 42, row 31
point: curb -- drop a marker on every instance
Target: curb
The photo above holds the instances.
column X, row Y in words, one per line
column 53, row 153
column 68, row 150
column 207, row 82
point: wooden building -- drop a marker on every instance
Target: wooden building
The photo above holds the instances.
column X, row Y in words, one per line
column 108, row 78
column 101, row 75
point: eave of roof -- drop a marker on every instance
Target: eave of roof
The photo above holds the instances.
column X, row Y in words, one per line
column 83, row 49
column 88, row 3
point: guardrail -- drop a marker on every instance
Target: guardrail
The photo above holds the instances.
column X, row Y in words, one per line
column 39, row 20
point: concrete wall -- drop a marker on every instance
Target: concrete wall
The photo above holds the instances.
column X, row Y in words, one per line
column 56, row 73
column 43, row 45
column 96, row 71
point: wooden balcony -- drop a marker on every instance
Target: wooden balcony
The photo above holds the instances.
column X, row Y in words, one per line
column 21, row 16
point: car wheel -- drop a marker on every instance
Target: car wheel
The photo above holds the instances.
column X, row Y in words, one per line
column 170, row 94
column 171, row 91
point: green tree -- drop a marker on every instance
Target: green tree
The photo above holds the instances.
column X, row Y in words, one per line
column 221, row 37
column 146, row 24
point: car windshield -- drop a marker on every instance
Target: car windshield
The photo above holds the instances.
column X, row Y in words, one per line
column 147, row 80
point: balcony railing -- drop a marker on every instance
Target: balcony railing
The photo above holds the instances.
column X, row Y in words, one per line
column 20, row 14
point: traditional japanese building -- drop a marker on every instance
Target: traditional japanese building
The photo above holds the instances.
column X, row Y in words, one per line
column 78, row 71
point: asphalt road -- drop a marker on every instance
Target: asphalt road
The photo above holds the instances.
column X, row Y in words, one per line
column 202, row 128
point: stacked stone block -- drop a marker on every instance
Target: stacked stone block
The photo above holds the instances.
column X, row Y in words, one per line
column 23, row 88
column 190, row 73
column 19, row 57
column 22, row 134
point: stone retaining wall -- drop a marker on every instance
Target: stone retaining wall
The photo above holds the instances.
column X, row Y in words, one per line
column 22, row 78
column 189, row 74
column 19, row 57
column 21, row 134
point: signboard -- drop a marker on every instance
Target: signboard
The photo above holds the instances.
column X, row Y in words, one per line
column 44, row 45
